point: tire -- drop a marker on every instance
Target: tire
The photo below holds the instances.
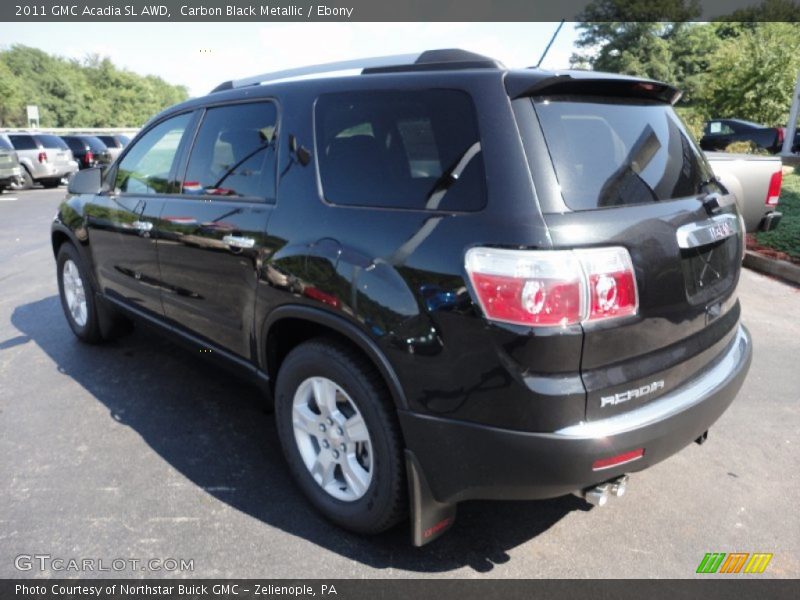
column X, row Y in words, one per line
column 84, row 322
column 51, row 183
column 361, row 503
column 27, row 180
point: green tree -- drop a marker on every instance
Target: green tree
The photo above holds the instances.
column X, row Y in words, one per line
column 752, row 75
column 630, row 36
column 786, row 11
column 72, row 93
column 12, row 110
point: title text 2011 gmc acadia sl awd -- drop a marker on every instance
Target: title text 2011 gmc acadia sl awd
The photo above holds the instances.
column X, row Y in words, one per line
column 454, row 280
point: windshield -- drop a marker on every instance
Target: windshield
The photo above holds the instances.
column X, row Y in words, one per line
column 613, row 152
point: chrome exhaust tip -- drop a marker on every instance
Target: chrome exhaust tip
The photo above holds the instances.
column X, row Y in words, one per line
column 618, row 486
column 597, row 496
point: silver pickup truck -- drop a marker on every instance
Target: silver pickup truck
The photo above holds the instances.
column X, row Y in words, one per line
column 756, row 181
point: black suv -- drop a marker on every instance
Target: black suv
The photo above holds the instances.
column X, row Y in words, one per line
column 453, row 280
column 88, row 150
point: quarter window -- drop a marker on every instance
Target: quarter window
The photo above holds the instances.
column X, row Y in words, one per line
column 234, row 155
column 146, row 168
column 400, row 149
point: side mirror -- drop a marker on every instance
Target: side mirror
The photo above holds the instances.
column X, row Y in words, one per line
column 88, row 181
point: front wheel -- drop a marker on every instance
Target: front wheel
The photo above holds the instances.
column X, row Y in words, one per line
column 340, row 436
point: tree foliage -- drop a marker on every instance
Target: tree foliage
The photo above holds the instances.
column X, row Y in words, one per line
column 741, row 66
column 71, row 93
column 753, row 75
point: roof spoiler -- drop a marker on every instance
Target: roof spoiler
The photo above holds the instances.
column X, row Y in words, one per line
column 590, row 83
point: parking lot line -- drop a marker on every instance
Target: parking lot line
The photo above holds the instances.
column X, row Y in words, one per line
column 10, row 199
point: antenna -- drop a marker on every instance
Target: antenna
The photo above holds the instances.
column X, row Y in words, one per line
column 550, row 43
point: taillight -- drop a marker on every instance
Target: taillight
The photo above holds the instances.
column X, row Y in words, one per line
column 541, row 288
column 781, row 135
column 42, row 157
column 611, row 283
column 88, row 158
column 774, row 192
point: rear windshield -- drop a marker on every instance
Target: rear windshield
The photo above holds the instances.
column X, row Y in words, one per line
column 109, row 141
column 23, row 142
column 76, row 144
column 52, row 141
column 613, row 152
column 95, row 144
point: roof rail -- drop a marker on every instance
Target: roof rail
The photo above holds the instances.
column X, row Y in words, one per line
column 428, row 60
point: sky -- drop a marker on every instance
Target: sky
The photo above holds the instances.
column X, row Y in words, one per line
column 202, row 55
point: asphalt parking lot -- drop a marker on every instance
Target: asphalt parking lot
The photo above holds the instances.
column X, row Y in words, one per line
column 140, row 450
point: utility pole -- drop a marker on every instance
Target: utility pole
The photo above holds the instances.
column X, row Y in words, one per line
column 791, row 126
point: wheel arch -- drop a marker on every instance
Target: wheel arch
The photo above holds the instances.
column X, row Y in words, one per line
column 290, row 325
column 61, row 234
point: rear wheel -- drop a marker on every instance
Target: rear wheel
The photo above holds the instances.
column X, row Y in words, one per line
column 27, row 180
column 77, row 296
column 340, row 436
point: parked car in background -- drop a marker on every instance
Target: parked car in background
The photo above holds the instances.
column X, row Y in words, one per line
column 756, row 182
column 88, row 150
column 718, row 134
column 10, row 169
column 455, row 281
column 45, row 158
column 115, row 143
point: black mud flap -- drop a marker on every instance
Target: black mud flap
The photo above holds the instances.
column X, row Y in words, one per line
column 429, row 517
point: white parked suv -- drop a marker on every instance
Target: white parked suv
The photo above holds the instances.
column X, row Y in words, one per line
column 45, row 158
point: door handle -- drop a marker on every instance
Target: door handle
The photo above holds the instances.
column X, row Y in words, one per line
column 237, row 241
column 142, row 225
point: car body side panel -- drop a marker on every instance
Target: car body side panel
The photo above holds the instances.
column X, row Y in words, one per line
column 404, row 285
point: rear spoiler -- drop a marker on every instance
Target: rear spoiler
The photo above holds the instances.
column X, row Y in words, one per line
column 588, row 83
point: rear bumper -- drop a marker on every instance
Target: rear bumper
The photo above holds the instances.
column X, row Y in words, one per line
column 9, row 175
column 463, row 461
column 54, row 171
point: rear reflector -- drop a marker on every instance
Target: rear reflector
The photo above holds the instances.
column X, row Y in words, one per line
column 619, row 459
column 774, row 192
column 542, row 288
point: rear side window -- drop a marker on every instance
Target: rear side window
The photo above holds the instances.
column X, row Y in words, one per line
column 52, row 141
column 23, row 142
column 234, row 154
column 400, row 149
column 619, row 152
column 147, row 166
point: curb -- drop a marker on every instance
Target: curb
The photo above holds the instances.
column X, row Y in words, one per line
column 770, row 266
